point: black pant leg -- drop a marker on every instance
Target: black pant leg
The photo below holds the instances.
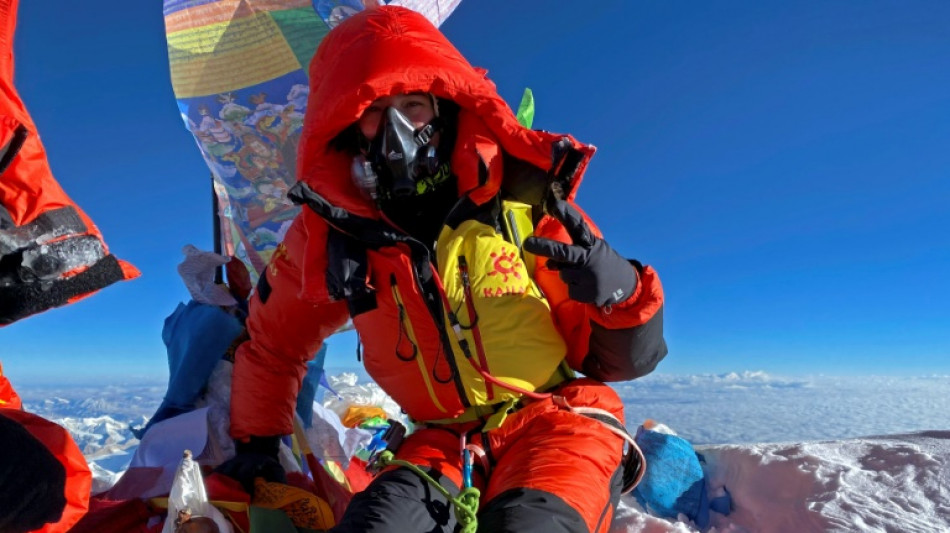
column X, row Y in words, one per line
column 399, row 501
column 536, row 511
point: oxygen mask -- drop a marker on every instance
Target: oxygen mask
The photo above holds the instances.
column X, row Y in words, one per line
column 401, row 161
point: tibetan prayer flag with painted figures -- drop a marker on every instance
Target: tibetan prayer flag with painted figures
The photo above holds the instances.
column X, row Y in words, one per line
column 239, row 73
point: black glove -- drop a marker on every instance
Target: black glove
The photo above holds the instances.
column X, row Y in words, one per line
column 593, row 271
column 32, row 481
column 255, row 458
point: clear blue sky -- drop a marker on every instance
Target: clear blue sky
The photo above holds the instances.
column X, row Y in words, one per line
column 784, row 165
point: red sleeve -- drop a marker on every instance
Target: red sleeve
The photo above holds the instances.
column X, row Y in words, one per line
column 9, row 399
column 286, row 329
column 47, row 236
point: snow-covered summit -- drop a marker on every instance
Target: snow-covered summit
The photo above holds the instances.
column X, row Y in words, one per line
column 792, row 477
column 895, row 483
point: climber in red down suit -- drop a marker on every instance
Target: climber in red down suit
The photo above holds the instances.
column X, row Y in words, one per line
column 449, row 233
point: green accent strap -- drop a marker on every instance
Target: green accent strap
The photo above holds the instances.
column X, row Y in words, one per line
column 526, row 109
column 471, row 414
column 466, row 503
column 496, row 420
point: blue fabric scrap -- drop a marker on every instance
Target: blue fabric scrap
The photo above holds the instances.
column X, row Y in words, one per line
column 196, row 337
column 674, row 482
column 308, row 389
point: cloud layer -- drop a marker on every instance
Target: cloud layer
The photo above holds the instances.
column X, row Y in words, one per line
column 704, row 409
column 757, row 407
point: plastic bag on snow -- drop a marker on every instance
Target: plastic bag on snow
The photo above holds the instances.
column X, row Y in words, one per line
column 188, row 499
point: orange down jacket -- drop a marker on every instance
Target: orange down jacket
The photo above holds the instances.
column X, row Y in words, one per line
column 300, row 299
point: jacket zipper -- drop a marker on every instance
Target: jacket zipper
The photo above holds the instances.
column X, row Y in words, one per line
column 433, row 298
column 444, row 336
column 430, row 292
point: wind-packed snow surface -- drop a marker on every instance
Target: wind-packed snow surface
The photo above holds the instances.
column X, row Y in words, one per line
column 894, row 483
column 800, row 483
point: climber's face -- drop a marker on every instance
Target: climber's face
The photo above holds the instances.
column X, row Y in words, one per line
column 417, row 107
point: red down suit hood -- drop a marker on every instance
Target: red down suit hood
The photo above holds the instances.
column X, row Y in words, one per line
column 392, row 50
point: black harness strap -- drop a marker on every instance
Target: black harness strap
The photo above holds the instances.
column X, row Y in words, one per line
column 371, row 233
column 347, row 273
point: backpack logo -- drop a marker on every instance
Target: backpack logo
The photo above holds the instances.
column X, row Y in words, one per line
column 505, row 264
column 506, row 270
column 279, row 253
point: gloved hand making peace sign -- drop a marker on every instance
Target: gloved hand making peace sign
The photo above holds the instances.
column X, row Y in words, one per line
column 593, row 271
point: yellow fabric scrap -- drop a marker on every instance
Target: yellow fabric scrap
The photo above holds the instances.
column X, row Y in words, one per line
column 356, row 414
column 304, row 509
